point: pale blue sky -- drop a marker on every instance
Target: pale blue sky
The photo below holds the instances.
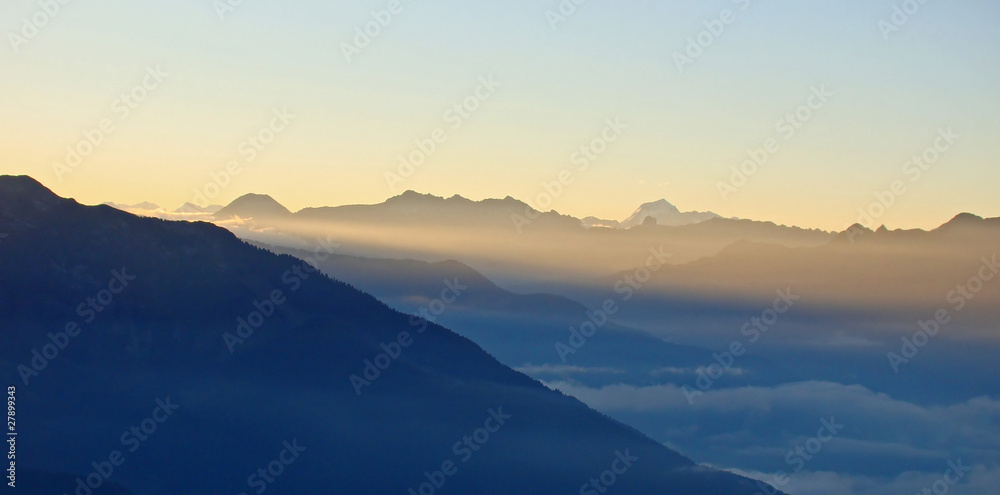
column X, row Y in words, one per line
column 609, row 59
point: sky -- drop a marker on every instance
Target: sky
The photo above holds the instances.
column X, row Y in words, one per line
column 206, row 76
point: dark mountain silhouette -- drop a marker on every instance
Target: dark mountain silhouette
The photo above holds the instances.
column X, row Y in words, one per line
column 160, row 340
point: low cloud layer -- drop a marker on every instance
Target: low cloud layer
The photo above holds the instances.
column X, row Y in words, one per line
column 755, row 428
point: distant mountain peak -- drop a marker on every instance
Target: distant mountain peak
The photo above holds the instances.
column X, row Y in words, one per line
column 254, row 197
column 965, row 218
column 964, row 221
column 510, row 200
column 660, row 203
column 257, row 206
column 664, row 212
column 852, row 233
column 411, row 196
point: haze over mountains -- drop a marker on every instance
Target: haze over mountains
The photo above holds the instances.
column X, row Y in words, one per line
column 639, row 323
column 165, row 341
column 858, row 299
column 794, row 369
column 521, row 329
column 664, row 213
column 506, row 239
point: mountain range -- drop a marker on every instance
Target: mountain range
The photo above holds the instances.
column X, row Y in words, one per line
column 172, row 357
column 264, row 207
column 505, row 239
